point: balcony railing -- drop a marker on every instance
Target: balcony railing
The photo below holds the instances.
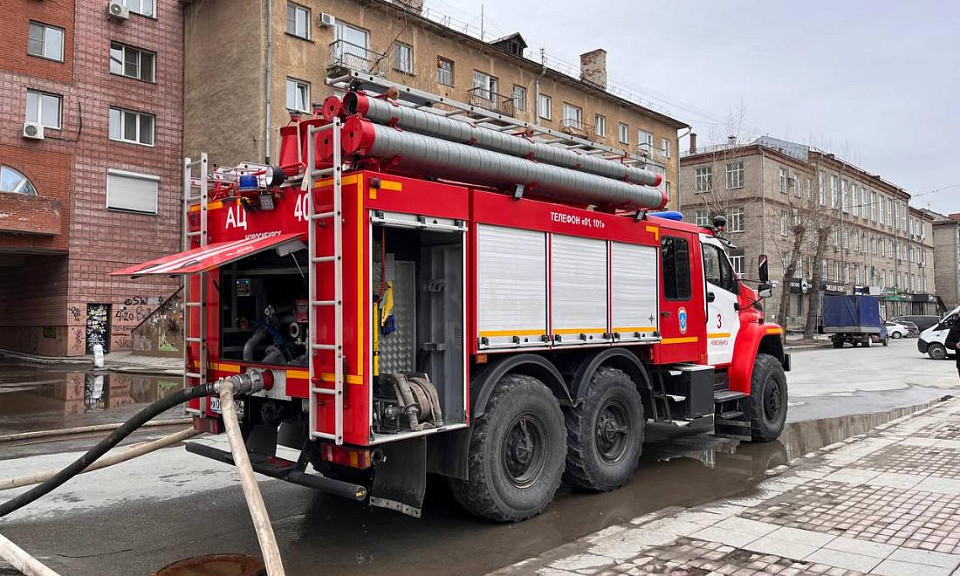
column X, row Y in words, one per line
column 576, row 127
column 344, row 58
column 488, row 100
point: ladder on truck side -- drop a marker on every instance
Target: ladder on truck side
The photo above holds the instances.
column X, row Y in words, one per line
column 320, row 394
column 196, row 192
column 490, row 119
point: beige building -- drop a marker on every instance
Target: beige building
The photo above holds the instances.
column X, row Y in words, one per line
column 771, row 189
column 946, row 253
column 244, row 77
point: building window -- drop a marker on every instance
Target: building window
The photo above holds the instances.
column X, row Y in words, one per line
column 132, row 192
column 403, row 58
column 833, row 191
column 623, row 133
column 519, row 97
column 131, row 126
column 44, row 108
column 298, row 20
column 784, row 223
column 600, row 125
column 737, row 263
column 444, row 71
column 486, row 87
column 871, row 198
column 13, row 182
column 675, row 263
column 544, row 105
column 855, row 201
column 141, row 7
column 132, row 62
column 644, row 141
column 735, row 175
column 45, row 41
column 846, row 239
column 666, row 188
column 703, row 179
column 735, row 220
column 298, row 95
column 572, row 117
column 844, row 197
column 823, row 191
column 797, row 186
column 702, row 218
column 783, row 180
column 665, row 147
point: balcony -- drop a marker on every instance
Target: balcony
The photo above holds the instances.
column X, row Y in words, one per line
column 344, row 58
column 29, row 214
column 576, row 128
column 484, row 98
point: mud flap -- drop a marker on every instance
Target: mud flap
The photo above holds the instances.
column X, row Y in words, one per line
column 400, row 482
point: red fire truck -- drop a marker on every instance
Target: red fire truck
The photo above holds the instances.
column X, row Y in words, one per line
column 437, row 288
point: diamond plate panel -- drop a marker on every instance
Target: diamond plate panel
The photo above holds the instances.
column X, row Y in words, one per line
column 398, row 350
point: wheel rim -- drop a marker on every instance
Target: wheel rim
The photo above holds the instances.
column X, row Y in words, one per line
column 524, row 450
column 772, row 400
column 613, row 427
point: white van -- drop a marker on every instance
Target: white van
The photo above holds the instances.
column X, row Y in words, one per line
column 931, row 340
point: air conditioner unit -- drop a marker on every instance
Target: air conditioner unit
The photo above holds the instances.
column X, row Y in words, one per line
column 117, row 10
column 327, row 20
column 33, row 130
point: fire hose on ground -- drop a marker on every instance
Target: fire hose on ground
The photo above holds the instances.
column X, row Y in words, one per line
column 247, row 383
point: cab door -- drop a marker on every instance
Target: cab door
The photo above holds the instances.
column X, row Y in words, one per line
column 682, row 312
column 722, row 290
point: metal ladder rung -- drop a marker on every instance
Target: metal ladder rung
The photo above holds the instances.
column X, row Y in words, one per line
column 191, row 234
column 327, row 391
column 324, row 347
column 323, row 216
column 321, row 259
column 323, row 172
column 195, row 339
column 324, row 302
column 193, row 375
column 324, row 436
column 193, row 304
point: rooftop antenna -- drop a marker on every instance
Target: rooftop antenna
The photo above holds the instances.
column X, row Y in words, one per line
column 482, row 39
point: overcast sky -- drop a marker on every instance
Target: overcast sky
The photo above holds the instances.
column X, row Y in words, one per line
column 876, row 82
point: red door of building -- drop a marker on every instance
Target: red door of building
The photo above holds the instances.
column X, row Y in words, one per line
column 682, row 315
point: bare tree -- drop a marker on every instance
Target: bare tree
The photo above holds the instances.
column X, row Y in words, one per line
column 823, row 223
column 720, row 195
column 792, row 239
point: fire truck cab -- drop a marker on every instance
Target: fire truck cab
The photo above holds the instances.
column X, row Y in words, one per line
column 426, row 315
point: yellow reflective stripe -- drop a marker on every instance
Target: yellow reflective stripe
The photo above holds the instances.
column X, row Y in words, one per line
column 302, row 374
column 235, row 368
column 719, row 335
column 776, row 330
column 580, row 331
column 347, row 180
column 687, row 340
column 655, row 230
column 636, row 329
column 350, row 378
column 391, row 185
column 210, row 206
column 495, row 333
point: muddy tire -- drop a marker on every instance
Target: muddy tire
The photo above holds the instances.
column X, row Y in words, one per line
column 937, row 351
column 604, row 433
column 768, row 399
column 837, row 343
column 517, row 452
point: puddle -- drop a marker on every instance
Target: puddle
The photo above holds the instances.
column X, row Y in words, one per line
column 52, row 397
column 215, row 565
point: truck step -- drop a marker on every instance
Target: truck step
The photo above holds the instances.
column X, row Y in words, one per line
column 733, row 416
column 721, row 396
column 733, row 434
column 283, row 469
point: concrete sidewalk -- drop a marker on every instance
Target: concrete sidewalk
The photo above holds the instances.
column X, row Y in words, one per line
column 122, row 361
column 885, row 503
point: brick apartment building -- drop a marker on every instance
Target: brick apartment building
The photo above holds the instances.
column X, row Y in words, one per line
column 239, row 93
column 101, row 189
column 877, row 243
column 946, row 254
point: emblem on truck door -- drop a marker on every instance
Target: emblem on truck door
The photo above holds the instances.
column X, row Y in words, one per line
column 682, row 319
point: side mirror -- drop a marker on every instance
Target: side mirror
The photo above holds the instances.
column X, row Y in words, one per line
column 763, row 272
column 764, row 290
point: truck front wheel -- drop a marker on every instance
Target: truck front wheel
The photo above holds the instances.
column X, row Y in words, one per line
column 517, row 452
column 768, row 399
column 604, row 433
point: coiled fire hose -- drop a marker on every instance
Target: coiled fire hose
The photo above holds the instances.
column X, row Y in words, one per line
column 247, row 383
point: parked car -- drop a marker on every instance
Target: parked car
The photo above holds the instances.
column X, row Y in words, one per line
column 932, row 339
column 896, row 330
column 912, row 328
column 922, row 321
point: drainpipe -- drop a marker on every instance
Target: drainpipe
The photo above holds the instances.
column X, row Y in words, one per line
column 679, row 154
column 763, row 206
column 268, row 86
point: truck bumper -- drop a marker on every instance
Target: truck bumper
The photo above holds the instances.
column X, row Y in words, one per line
column 922, row 345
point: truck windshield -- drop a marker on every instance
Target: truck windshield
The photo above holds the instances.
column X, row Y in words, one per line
column 717, row 268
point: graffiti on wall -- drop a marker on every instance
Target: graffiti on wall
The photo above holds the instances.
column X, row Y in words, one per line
column 98, row 326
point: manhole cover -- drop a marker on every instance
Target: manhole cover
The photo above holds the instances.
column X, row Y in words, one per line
column 215, row 565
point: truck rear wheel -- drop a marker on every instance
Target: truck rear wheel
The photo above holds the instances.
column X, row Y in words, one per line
column 604, row 433
column 837, row 343
column 768, row 399
column 517, row 452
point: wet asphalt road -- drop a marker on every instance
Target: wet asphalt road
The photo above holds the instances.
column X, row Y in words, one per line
column 176, row 505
